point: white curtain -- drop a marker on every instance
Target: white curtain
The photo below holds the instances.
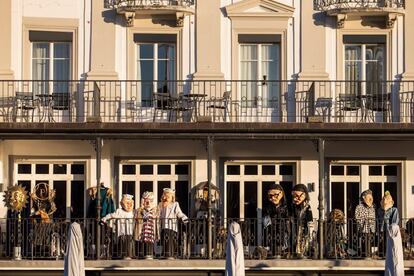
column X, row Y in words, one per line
column 353, row 69
column 248, row 71
column 271, row 69
column 61, row 66
column 41, row 67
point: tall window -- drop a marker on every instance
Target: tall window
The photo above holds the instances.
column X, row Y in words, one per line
column 260, row 62
column 156, row 65
column 365, row 61
column 51, row 61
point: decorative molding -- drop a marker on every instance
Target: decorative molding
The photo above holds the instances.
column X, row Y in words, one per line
column 179, row 19
column 340, row 20
column 391, row 18
column 259, row 8
column 129, row 18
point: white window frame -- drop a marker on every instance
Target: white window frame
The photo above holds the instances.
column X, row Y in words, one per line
column 154, row 177
column 259, row 178
column 50, row 177
column 364, row 178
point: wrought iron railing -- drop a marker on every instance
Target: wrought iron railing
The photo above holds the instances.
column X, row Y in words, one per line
column 113, row 4
column 279, row 238
column 325, row 5
column 213, row 101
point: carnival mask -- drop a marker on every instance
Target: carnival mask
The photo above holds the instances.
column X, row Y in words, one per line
column 387, row 202
column 147, row 200
column 275, row 196
column 298, row 197
column 368, row 199
column 127, row 203
column 167, row 197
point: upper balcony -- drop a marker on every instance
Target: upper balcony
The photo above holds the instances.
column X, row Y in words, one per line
column 389, row 9
column 130, row 8
column 192, row 101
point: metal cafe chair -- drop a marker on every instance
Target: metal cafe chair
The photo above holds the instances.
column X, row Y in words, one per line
column 60, row 102
column 221, row 104
column 379, row 103
column 26, row 103
column 349, row 103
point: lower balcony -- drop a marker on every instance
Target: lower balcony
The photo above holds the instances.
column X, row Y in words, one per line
column 189, row 101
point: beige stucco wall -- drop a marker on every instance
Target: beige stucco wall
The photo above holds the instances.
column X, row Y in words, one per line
column 5, row 41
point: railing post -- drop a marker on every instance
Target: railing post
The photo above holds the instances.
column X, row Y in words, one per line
column 321, row 196
column 98, row 148
column 96, row 102
column 210, row 223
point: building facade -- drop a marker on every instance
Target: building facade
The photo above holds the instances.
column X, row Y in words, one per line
column 148, row 94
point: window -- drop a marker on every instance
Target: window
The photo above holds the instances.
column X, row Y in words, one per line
column 365, row 60
column 51, row 61
column 347, row 181
column 156, row 65
column 66, row 178
column 139, row 177
column 260, row 60
column 247, row 185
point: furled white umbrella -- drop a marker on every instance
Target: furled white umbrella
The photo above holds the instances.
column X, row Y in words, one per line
column 74, row 259
column 234, row 251
column 394, row 264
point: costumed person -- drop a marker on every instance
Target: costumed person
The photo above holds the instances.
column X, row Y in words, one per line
column 386, row 215
column 170, row 212
column 365, row 220
column 124, row 218
column 107, row 203
column 199, row 232
column 337, row 243
column 234, row 251
column 394, row 263
column 74, row 264
column 276, row 221
column 302, row 220
column 146, row 226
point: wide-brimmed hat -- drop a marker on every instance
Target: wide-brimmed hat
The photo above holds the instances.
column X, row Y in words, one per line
column 169, row 190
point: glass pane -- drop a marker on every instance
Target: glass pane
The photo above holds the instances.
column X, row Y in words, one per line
column 250, row 169
column 375, row 170
column 145, row 186
column 77, row 199
column 353, row 68
column 182, row 195
column 60, row 200
column 78, row 169
column 146, row 71
column 128, row 169
column 250, row 199
column 268, row 170
column 59, row 168
column 390, row 170
column 233, row 199
column 24, row 168
column 181, row 169
column 41, row 50
column 233, row 170
column 166, row 51
column 337, row 196
column 164, row 169
column 352, row 170
column 337, row 170
column 352, row 198
column 42, row 168
column 146, row 169
column 145, row 51
column 377, row 192
column 248, row 71
column 161, row 186
column 128, row 187
column 286, row 170
column 287, row 187
column 62, row 50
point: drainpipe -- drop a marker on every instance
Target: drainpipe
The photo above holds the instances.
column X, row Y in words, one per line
column 98, row 149
column 210, row 222
column 321, row 196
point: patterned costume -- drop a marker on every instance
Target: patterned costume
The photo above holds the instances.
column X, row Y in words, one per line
column 365, row 220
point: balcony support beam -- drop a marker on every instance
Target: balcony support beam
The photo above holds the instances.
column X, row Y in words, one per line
column 321, row 195
column 98, row 149
column 210, row 217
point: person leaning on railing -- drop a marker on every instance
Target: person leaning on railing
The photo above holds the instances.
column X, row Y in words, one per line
column 365, row 220
column 170, row 213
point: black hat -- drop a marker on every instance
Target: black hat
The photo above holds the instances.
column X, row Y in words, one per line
column 300, row 188
column 276, row 186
